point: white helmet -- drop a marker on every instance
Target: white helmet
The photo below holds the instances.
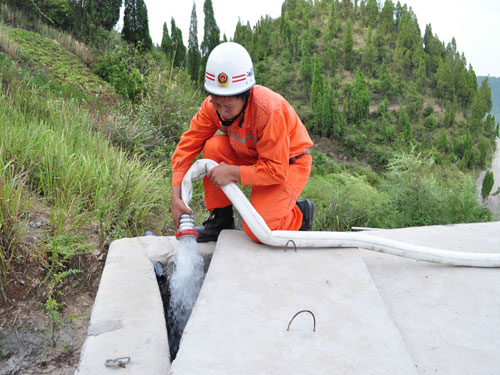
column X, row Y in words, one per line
column 229, row 70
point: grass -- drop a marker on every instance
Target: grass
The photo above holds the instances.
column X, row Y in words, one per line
column 14, row 208
column 52, row 148
column 49, row 59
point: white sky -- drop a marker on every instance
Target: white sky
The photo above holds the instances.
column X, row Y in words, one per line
column 475, row 24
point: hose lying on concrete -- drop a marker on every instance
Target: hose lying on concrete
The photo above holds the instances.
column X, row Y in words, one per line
column 281, row 238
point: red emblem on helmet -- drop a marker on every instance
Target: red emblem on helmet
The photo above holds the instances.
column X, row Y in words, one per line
column 222, row 79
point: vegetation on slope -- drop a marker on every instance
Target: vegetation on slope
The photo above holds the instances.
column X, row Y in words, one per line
column 366, row 78
column 87, row 135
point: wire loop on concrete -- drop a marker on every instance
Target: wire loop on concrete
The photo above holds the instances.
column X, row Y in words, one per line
column 117, row 362
column 303, row 311
column 294, row 245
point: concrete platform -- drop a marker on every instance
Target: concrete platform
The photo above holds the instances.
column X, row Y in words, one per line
column 449, row 316
column 250, row 293
column 375, row 313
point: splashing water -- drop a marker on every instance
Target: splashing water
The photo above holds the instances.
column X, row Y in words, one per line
column 185, row 284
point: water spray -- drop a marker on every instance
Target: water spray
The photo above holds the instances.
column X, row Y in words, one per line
column 184, row 282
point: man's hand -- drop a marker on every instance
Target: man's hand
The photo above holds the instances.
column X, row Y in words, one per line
column 223, row 174
column 178, row 205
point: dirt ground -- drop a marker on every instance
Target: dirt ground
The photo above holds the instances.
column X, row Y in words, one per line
column 32, row 343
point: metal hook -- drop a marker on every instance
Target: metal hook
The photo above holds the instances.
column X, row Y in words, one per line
column 117, row 362
column 294, row 245
column 302, row 311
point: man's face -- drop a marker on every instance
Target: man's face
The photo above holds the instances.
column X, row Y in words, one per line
column 228, row 106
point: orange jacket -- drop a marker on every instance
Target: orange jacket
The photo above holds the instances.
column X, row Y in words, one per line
column 271, row 134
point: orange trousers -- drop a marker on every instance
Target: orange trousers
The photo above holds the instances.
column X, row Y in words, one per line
column 275, row 203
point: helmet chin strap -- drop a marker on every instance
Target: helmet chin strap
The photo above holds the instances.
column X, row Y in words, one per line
column 229, row 123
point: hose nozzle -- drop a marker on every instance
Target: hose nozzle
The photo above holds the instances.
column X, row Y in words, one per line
column 186, row 227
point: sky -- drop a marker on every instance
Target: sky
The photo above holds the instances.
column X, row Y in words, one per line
column 475, row 24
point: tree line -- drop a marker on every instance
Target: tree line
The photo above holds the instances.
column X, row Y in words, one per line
column 358, row 72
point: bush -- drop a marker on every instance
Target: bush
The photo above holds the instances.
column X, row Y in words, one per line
column 419, row 197
column 322, row 164
column 431, row 121
column 488, row 182
column 118, row 68
column 154, row 127
column 343, row 201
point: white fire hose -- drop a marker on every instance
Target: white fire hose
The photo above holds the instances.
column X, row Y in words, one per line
column 281, row 238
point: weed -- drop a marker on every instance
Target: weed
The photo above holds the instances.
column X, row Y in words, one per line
column 14, row 207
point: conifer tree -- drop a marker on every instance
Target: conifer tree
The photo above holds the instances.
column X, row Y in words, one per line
column 379, row 45
column 104, row 13
column 178, row 47
column 433, row 49
column 331, row 26
column 211, row 37
column 464, row 162
column 487, row 185
column 387, row 17
column 306, row 67
column 386, row 85
column 368, row 58
column 331, row 118
column 372, row 11
column 444, row 80
column 421, row 75
column 193, row 55
column 332, row 59
column 348, row 44
column 243, row 35
column 317, row 86
column 360, row 99
column 405, row 126
column 442, row 143
column 166, row 42
column 346, row 7
column 135, row 24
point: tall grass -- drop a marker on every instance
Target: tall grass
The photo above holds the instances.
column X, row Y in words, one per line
column 413, row 192
column 76, row 169
column 52, row 148
column 14, row 207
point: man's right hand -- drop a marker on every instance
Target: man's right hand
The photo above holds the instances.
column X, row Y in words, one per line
column 178, row 205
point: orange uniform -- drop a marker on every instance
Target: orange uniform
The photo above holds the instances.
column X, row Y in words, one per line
column 269, row 137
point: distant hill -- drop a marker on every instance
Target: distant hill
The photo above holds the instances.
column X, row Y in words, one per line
column 366, row 82
column 495, row 94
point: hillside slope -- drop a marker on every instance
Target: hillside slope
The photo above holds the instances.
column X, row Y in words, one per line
column 369, row 80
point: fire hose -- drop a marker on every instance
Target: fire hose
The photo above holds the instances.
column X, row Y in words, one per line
column 323, row 239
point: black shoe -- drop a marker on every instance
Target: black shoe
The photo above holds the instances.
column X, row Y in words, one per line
column 307, row 208
column 219, row 219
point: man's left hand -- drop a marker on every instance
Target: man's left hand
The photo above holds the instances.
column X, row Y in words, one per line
column 223, row 174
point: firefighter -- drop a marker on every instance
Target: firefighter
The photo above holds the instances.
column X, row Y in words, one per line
column 261, row 142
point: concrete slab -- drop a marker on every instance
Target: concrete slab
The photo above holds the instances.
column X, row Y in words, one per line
column 250, row 293
column 449, row 316
column 127, row 317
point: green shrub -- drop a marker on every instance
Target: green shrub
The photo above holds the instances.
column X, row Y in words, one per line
column 488, row 182
column 431, row 121
column 343, row 201
column 119, row 69
column 419, row 197
column 153, row 127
